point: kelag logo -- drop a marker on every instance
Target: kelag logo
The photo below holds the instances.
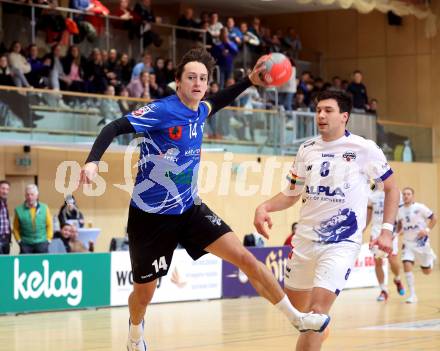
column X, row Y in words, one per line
column 59, row 284
column 54, row 282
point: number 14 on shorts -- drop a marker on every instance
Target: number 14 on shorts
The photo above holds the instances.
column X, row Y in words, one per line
column 159, row 264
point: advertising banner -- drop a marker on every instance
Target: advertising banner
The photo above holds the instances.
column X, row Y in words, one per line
column 186, row 279
column 236, row 283
column 54, row 282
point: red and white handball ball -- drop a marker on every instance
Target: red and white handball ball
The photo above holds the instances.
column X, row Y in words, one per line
column 278, row 69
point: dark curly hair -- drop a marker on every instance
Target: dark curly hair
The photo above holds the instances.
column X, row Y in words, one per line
column 196, row 55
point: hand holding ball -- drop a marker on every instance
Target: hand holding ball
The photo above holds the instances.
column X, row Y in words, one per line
column 277, row 69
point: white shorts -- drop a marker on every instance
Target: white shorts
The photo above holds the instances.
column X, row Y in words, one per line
column 375, row 232
column 313, row 264
column 422, row 255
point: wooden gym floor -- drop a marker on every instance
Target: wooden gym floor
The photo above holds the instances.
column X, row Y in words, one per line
column 237, row 325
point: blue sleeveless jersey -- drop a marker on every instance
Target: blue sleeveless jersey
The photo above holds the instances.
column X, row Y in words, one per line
column 166, row 182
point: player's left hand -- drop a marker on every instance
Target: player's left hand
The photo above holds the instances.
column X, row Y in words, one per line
column 422, row 234
column 260, row 219
column 255, row 75
column 384, row 241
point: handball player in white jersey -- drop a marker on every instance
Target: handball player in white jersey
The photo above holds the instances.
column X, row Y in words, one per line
column 375, row 216
column 331, row 173
column 415, row 220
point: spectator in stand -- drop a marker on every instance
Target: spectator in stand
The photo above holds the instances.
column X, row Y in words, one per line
column 111, row 68
column 344, row 85
column 32, row 223
column 159, row 71
column 372, row 107
column 170, row 72
column 187, row 20
column 256, row 27
column 6, row 74
column 96, row 80
column 70, row 212
column 213, row 121
column 214, row 27
column 19, row 65
column 5, row 223
column 139, row 87
column 109, row 108
column 336, row 84
column 299, row 103
column 358, row 91
column 224, row 53
column 304, row 84
column 124, row 13
column 251, row 44
column 143, row 18
column 77, row 245
column 64, row 234
column 288, row 90
column 124, row 105
column 56, row 73
column 125, row 69
column 288, row 241
column 156, row 91
column 207, row 34
column 73, row 67
column 292, row 42
column 145, row 66
column 234, row 33
column 38, row 76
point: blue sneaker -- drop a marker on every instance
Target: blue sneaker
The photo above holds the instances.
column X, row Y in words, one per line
column 399, row 286
column 136, row 345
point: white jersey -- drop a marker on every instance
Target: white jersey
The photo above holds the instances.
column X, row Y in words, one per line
column 336, row 176
column 376, row 201
column 413, row 218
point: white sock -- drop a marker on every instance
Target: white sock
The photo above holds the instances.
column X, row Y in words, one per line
column 383, row 287
column 410, row 281
column 289, row 311
column 136, row 331
column 397, row 278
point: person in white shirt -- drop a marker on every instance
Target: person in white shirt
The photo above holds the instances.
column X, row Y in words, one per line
column 415, row 220
column 331, row 173
column 375, row 216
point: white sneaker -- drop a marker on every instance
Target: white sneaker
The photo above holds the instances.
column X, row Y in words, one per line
column 411, row 299
column 312, row 321
column 136, row 345
column 139, row 345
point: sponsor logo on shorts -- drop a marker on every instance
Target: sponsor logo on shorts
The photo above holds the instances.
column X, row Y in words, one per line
column 214, row 220
column 328, row 155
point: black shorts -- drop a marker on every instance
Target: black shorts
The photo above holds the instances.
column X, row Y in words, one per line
column 154, row 237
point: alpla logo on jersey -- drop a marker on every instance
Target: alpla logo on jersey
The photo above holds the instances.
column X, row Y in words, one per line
column 349, row 155
column 324, row 190
column 48, row 284
column 175, row 133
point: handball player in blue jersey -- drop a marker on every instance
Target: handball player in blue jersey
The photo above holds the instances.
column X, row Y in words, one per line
column 165, row 209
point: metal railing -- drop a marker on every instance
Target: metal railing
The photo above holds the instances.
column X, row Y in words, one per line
column 109, row 31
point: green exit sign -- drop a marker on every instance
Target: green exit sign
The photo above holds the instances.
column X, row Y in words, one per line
column 23, row 161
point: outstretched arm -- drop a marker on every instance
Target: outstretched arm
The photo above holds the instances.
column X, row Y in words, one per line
column 102, row 142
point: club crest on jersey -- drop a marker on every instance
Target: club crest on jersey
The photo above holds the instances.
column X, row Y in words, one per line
column 143, row 111
column 349, row 155
column 175, row 133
